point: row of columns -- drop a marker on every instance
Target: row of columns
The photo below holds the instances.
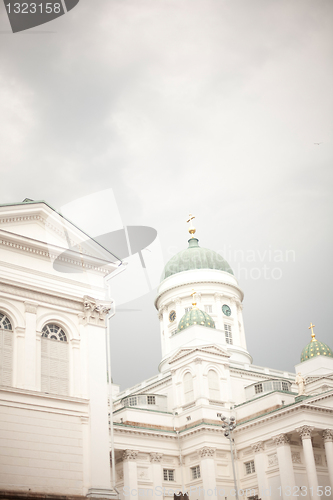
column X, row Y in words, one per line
column 286, row 465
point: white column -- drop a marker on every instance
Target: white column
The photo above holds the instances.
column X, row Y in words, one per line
column 130, row 475
column 287, row 477
column 207, row 469
column 328, row 442
column 155, row 459
column 310, row 464
column 260, row 466
column 100, row 477
column 30, row 346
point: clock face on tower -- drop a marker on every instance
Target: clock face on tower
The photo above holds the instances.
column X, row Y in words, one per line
column 172, row 316
column 226, row 310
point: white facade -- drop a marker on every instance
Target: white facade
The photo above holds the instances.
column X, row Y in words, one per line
column 53, row 391
column 168, row 432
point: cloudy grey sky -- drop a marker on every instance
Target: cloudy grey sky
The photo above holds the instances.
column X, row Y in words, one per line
column 211, row 107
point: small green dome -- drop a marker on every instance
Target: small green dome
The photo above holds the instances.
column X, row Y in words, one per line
column 195, row 317
column 316, row 348
column 195, row 257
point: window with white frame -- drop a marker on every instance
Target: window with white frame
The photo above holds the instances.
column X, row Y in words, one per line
column 209, row 309
column 132, row 401
column 55, row 360
column 228, row 334
column 173, row 332
column 285, row 386
column 151, row 400
column 249, row 467
column 187, row 309
column 168, row 474
column 6, row 350
column 258, row 388
column 188, row 387
column 195, row 472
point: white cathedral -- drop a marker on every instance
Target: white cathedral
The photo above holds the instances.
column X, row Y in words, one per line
column 210, row 424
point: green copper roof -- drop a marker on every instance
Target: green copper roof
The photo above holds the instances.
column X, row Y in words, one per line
column 195, row 317
column 316, row 348
column 195, row 257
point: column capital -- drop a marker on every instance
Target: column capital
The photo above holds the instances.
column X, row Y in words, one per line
column 130, row 455
column 257, row 447
column 305, row 431
column 156, row 457
column 206, row 452
column 281, row 439
column 328, row 435
column 95, row 311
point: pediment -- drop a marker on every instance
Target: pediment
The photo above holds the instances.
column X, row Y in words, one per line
column 322, row 400
column 200, row 350
column 39, row 224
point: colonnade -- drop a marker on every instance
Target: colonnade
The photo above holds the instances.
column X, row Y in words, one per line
column 285, row 462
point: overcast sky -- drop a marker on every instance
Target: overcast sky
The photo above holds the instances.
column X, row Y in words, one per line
column 211, row 107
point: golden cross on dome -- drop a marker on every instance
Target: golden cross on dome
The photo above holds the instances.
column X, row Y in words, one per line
column 191, row 229
column 311, row 327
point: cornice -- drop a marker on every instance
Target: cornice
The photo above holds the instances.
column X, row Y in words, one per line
column 41, row 297
column 279, row 413
column 197, row 283
column 52, row 252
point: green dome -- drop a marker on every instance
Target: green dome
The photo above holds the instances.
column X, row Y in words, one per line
column 195, row 257
column 316, row 348
column 195, row 317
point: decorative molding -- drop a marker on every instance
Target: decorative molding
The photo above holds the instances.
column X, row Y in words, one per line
column 130, row 455
column 95, row 311
column 198, row 361
column 305, row 431
column 84, row 419
column 206, row 452
column 40, row 297
column 120, row 474
column 328, row 435
column 273, row 460
column 257, row 447
column 281, row 439
column 73, row 258
column 296, row 457
column 19, row 331
column 156, row 457
column 318, row 459
column 31, row 307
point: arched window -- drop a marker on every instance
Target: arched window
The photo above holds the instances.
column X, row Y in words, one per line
column 188, row 388
column 55, row 360
column 213, row 385
column 6, row 350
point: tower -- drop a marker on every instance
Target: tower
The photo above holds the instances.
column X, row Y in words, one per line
column 218, row 297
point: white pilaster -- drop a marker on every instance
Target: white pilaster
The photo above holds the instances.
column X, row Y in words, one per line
column 260, row 466
column 207, row 468
column 310, row 465
column 76, row 375
column 130, row 474
column 30, row 350
column 18, row 365
column 287, row 476
column 100, row 480
column 155, row 459
column 328, row 442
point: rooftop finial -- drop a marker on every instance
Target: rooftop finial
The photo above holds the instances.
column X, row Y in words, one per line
column 191, row 229
column 313, row 335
